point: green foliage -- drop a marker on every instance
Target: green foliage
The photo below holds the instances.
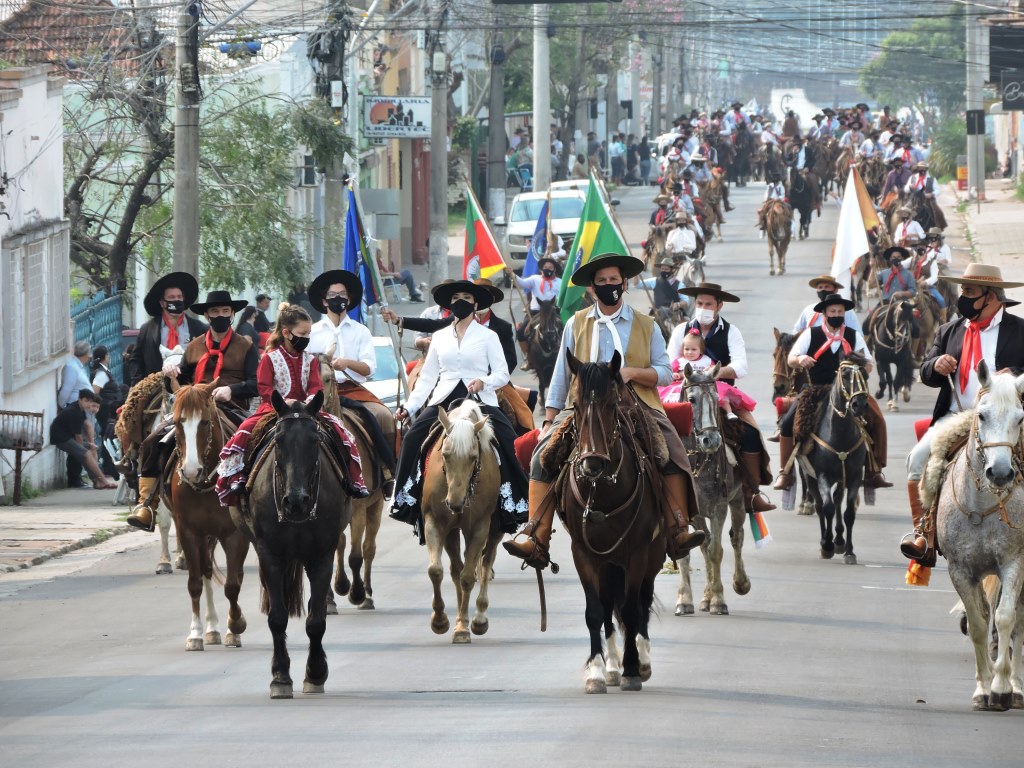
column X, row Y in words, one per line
column 1020, row 188
column 317, row 127
column 948, row 141
column 922, row 66
column 463, row 132
column 29, row 491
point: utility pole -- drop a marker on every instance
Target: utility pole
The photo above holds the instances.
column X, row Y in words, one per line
column 438, row 252
column 657, row 62
column 186, row 142
column 635, row 57
column 496, row 172
column 541, row 98
column 975, row 50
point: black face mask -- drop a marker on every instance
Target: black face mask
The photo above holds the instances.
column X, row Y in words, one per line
column 337, row 305
column 299, row 343
column 965, row 306
column 666, row 275
column 822, row 295
column 609, row 293
column 462, row 308
column 548, row 273
column 836, row 322
column 175, row 307
column 220, row 324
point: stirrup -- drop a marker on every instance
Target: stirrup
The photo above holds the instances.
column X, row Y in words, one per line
column 914, row 534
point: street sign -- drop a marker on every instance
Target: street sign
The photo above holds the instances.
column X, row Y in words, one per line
column 396, row 117
column 975, row 122
column 1012, row 89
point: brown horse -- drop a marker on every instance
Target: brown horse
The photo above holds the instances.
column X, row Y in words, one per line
column 460, row 496
column 930, row 316
column 825, row 154
column 787, row 381
column 200, row 431
column 711, row 197
column 609, row 507
column 779, row 220
column 366, row 513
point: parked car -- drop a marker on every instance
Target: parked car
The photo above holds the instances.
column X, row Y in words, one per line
column 566, row 207
column 385, row 382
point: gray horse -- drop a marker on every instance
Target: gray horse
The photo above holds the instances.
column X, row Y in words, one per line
column 980, row 527
column 720, row 490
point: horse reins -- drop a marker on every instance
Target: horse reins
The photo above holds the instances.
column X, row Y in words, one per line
column 699, row 459
column 281, row 518
column 858, row 386
column 900, row 336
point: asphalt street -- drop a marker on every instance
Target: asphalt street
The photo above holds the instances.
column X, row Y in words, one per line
column 820, row 664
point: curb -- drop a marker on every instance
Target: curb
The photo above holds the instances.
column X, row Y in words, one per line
column 973, row 254
column 89, row 541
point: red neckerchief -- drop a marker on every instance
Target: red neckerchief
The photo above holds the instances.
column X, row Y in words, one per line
column 970, row 355
column 814, row 319
column 894, row 273
column 485, row 319
column 212, row 351
column 546, row 284
column 830, row 340
column 659, row 216
column 172, row 329
column 920, row 182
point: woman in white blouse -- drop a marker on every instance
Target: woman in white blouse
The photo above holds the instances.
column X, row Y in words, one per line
column 464, row 358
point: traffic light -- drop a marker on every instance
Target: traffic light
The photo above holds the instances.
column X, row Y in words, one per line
column 628, row 106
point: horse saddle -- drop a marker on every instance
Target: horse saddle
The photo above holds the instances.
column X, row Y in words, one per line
column 262, row 438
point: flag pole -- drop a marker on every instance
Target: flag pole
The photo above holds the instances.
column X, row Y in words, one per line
column 483, row 216
column 615, row 220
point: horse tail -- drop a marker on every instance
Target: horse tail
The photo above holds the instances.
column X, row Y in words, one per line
column 294, row 588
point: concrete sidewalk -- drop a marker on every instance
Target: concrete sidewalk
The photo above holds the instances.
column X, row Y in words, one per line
column 993, row 229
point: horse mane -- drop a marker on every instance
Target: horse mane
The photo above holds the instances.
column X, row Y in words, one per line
column 191, row 399
column 1002, row 392
column 463, row 433
column 593, row 377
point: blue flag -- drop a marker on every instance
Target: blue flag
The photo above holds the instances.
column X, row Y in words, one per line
column 539, row 243
column 357, row 259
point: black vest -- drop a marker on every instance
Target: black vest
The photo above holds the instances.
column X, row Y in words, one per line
column 717, row 344
column 825, row 369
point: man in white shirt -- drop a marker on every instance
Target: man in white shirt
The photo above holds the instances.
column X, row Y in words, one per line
column 349, row 345
column 825, row 285
column 909, row 231
column 681, row 241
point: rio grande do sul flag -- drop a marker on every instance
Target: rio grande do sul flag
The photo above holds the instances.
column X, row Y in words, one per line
column 482, row 257
column 597, row 234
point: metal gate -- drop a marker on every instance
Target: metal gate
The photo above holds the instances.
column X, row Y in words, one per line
column 97, row 320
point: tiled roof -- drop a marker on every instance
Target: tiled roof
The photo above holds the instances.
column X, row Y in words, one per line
column 67, row 33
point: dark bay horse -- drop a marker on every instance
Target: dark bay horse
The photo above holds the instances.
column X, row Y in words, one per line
column 834, row 465
column 801, row 197
column 296, row 510
column 543, row 334
column 890, row 334
column 788, row 382
column 610, row 510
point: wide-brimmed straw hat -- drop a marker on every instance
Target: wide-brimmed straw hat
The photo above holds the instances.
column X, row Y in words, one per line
column 662, row 200
column 985, row 275
column 904, row 209
column 697, row 157
column 935, row 232
column 630, row 266
column 319, row 287
column 813, row 282
column 667, row 263
column 443, row 293
column 834, row 298
column 219, row 299
column 710, row 289
column 182, row 280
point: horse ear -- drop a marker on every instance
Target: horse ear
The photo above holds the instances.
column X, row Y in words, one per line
column 278, row 402
column 615, row 364
column 713, row 373
column 778, row 334
column 984, row 376
column 442, row 416
column 574, row 364
column 313, row 406
column 479, row 425
column 687, row 370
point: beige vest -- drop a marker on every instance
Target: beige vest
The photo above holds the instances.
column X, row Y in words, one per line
column 638, row 352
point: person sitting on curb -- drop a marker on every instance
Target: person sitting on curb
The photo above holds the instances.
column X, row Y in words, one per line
column 71, row 432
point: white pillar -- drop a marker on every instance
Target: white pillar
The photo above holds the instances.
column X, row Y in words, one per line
column 541, row 99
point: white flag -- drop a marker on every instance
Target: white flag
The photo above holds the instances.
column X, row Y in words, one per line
column 851, row 237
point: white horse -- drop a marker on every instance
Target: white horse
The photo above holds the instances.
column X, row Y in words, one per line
column 980, row 527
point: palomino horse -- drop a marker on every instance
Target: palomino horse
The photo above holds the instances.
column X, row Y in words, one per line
column 834, row 464
column 296, row 508
column 365, row 515
column 460, row 497
column 200, row 432
column 980, row 528
column 779, row 228
column 720, row 489
column 890, row 334
column 609, row 508
column 543, row 335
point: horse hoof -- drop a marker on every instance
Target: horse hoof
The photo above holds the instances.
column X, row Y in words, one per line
column 342, row 585
column 1018, row 701
column 880, row 394
column 194, row 644
column 308, row 687
column 720, row 610
column 440, row 626
column 980, row 703
column 1000, row 702
column 280, row 690
column 645, row 672
column 827, row 552
column 596, row 686
column 357, row 596
column 705, row 606
column 906, row 394
column 741, row 587
column 461, row 637
column 212, row 638
column 163, row 568
column 367, row 605
column 771, row 272
column 806, row 510
column 613, row 678
column 180, row 564
column 849, row 559
column 782, row 271
column 231, row 640
column 684, row 609
column 479, row 627
column 332, row 607
column 840, row 542
column 631, row 684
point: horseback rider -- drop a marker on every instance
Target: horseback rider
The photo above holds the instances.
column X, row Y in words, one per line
column 724, row 344
column 681, row 241
column 937, row 245
column 541, row 287
column 350, row 345
column 289, row 369
column 924, row 266
column 814, row 132
column 666, row 287
column 817, row 349
column 811, row 317
column 776, row 190
column 219, row 355
column 660, row 214
column 896, row 282
column 169, row 326
column 908, row 231
column 853, row 138
column 895, row 180
column 698, row 169
column 984, row 331
column 921, row 182
column 464, row 359
column 681, row 200
column 593, row 335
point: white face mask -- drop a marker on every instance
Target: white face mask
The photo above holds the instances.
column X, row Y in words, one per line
column 704, row 316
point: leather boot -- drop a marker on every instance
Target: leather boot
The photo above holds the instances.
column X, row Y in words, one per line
column 677, row 518
column 524, row 348
column 142, row 516
column 753, row 499
column 534, row 548
column 918, row 545
column 786, row 477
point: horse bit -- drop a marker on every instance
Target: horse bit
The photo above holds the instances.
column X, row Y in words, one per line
column 205, row 482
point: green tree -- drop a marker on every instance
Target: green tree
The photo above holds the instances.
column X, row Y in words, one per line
column 922, row 67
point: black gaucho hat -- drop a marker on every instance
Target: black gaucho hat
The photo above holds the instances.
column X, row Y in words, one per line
column 219, row 299
column 896, row 250
column 443, row 293
column 183, row 280
column 630, row 266
column 319, row 287
column 834, row 298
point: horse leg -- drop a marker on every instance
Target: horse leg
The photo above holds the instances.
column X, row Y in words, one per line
column 480, row 623
column 740, row 580
column 236, row 547
column 466, row 579
column 684, row 597
column 771, row 256
column 194, row 641
column 715, row 591
column 594, row 680
column 1001, row 697
column 357, row 528
column 438, row 620
column 319, row 574
column 1016, row 648
column 814, row 486
column 612, row 653
column 852, row 502
column 631, row 625
column 452, row 546
column 163, row 521
column 643, row 640
column 341, row 583
column 973, row 598
column 373, row 517
column 274, row 576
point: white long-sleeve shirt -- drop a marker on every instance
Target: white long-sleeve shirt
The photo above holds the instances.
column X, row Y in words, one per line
column 681, row 240
column 803, row 343
column 350, row 340
column 539, row 287
column 737, row 346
